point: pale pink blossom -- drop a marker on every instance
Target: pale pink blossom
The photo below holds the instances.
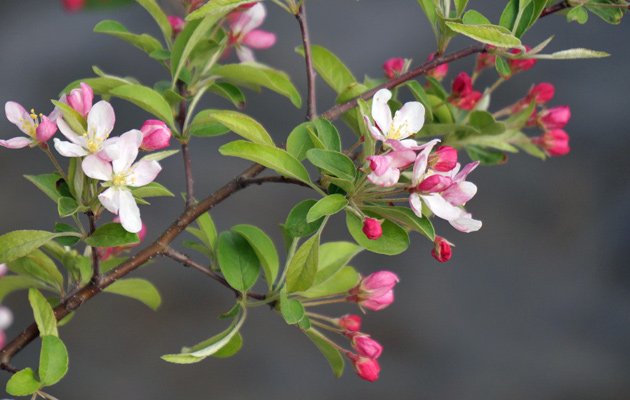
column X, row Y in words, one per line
column 80, row 99
column 38, row 128
column 121, row 174
column 3, row 270
column 155, row 135
column 6, row 318
column 405, row 122
column 244, row 35
column 376, row 291
column 386, row 167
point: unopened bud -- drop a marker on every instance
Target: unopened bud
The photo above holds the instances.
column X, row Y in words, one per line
column 81, row 99
column 177, row 24
column 366, row 346
column 555, row 118
column 462, row 85
column 521, row 64
column 366, row 368
column 541, row 93
column 350, row 322
column 394, row 67
column 442, row 250
column 554, row 142
column 372, row 228
column 438, row 72
column 443, row 159
column 376, row 291
column 45, row 130
column 155, row 135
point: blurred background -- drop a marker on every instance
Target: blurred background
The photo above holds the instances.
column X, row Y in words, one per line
column 536, row 305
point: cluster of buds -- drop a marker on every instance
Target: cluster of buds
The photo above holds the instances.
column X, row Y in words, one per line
column 6, row 316
column 463, row 95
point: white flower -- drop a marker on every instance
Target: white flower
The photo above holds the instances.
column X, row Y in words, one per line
column 406, row 122
column 121, row 174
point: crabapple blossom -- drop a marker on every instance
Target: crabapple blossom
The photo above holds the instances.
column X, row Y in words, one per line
column 372, row 228
column 80, row 99
column 405, row 122
column 463, row 95
column 521, row 64
column 386, row 167
column 367, row 368
column 554, row 142
column 177, row 24
column 376, row 291
column 443, row 159
column 554, row 118
column 541, row 93
column 366, row 346
column 442, row 250
column 120, row 175
column 155, row 135
column 394, row 67
column 350, row 322
column 438, row 72
column 485, row 60
column 39, row 128
column 244, row 35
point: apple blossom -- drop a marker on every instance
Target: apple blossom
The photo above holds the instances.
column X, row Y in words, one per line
column 386, row 168
column 442, row 250
column 80, row 99
column 39, row 128
column 177, row 24
column 376, row 291
column 155, row 135
column 485, row 60
column 350, row 322
column 541, row 93
column 367, row 368
column 443, row 159
column 554, row 118
column 438, row 72
column 394, row 67
column 244, row 35
column 366, row 346
column 120, row 175
column 6, row 318
column 372, row 228
column 406, row 121
column 463, row 95
column 554, row 142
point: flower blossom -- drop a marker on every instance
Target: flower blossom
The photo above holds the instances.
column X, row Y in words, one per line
column 386, row 167
column 39, row 128
column 155, row 135
column 438, row 72
column 121, row 174
column 554, row 118
column 365, row 345
column 394, row 67
column 463, row 95
column 405, row 122
column 376, row 291
column 244, row 35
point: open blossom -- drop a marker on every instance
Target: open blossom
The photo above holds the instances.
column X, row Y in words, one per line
column 121, row 174
column 554, row 142
column 155, row 135
column 394, row 67
column 244, row 35
column 405, row 122
column 80, row 99
column 39, row 128
column 376, row 291
column 386, row 167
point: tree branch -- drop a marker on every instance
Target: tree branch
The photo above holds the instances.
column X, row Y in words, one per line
column 190, row 194
column 96, row 270
column 555, row 8
column 311, row 112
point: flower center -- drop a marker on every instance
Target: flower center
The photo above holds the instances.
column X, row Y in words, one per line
column 31, row 126
column 119, row 179
column 94, row 145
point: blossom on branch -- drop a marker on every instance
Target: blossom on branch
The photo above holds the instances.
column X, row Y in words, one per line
column 405, row 122
column 39, row 128
column 243, row 33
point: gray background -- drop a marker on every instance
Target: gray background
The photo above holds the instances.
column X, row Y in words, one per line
column 534, row 306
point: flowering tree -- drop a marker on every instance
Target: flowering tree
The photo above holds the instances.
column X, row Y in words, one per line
column 403, row 169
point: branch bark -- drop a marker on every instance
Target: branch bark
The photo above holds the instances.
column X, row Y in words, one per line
column 311, row 112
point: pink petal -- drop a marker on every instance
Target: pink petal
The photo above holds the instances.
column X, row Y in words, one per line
column 259, row 39
column 381, row 113
column 97, row 168
column 101, row 120
column 460, row 193
column 129, row 212
column 16, row 143
column 18, row 116
column 143, row 172
column 249, row 20
column 45, row 130
column 470, row 167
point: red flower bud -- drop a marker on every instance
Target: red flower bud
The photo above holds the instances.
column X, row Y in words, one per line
column 394, row 67
column 366, row 368
column 438, row 72
column 554, row 142
column 521, row 64
column 366, row 346
column 485, row 60
column 555, row 118
column 541, row 93
column 442, row 250
column 443, row 159
column 350, row 322
column 372, row 228
column 73, row 5
column 176, row 23
column 462, row 85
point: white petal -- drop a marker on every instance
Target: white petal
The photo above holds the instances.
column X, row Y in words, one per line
column 415, row 204
column 101, row 120
column 18, row 116
column 68, row 149
column 129, row 212
column 250, row 19
column 389, row 178
column 16, row 143
column 110, row 199
column 440, row 207
column 143, row 172
column 127, row 150
column 460, row 193
column 381, row 113
column 6, row 318
column 466, row 223
column 70, row 134
column 408, row 120
column 97, row 168
column 245, row 54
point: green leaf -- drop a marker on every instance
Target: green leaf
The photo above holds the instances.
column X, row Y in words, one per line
column 486, row 156
column 485, row 123
column 296, row 225
column 53, row 360
column 473, row 17
column 217, row 7
column 508, row 17
column 203, row 125
column 341, row 282
column 328, row 134
column 332, row 354
column 145, row 42
column 47, row 183
column 68, row 240
column 230, row 348
column 153, row 189
column 100, row 85
column 23, row 383
column 147, row 99
column 460, row 6
column 302, row 266
column 269, row 156
column 67, row 206
column 330, row 68
column 429, row 8
column 111, row 235
column 393, row 241
column 578, row 14
column 299, row 141
column 12, row 283
column 159, row 16
column 260, row 75
column 137, row 289
column 241, row 124
column 572, row 54
column 180, row 45
column 16, row 244
column 43, row 313
column 238, row 261
column 160, row 155
column 333, row 162
column 328, row 205
column 610, row 11
column 502, row 66
column 263, row 247
column 489, row 34
column 39, row 266
column 332, row 257
column 420, row 95
column 292, row 310
column 207, row 226
column 230, row 92
column 75, row 121
column 405, row 217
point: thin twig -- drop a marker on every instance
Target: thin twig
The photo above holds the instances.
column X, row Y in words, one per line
column 311, row 112
column 190, row 195
column 276, row 179
column 96, row 270
column 555, row 8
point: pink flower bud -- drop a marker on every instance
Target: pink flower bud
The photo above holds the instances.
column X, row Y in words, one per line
column 73, row 5
column 366, row 346
column 485, row 60
column 366, row 368
column 245, row 6
column 45, row 130
column 443, row 159
column 555, row 118
column 541, row 93
column 462, row 85
column 435, row 184
column 81, row 99
column 6, row 318
column 155, row 135
column 438, row 72
column 350, row 322
column 521, row 64
column 467, row 102
column 177, row 24
column 554, row 142
column 376, row 291
column 3, row 269
column 372, row 228
column 394, row 67
column 442, row 250
column 379, row 281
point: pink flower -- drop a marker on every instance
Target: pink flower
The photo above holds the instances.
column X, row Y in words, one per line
column 366, row 368
column 394, row 67
column 81, row 99
column 372, row 228
column 555, row 118
column 386, row 168
column 244, row 35
column 442, row 250
column 155, row 135
column 521, row 64
column 38, row 128
column 3, row 339
column 463, row 95
column 541, row 93
column 554, row 142
column 366, row 346
column 438, row 72
column 443, row 159
column 376, row 291
column 350, row 322
column 73, row 5
column 177, row 24
column 6, row 318
column 406, row 122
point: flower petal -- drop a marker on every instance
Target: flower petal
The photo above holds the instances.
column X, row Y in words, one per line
column 18, row 116
column 110, row 199
column 68, row 149
column 101, row 120
column 70, row 134
column 97, row 168
column 416, row 204
column 126, row 150
column 387, row 179
column 460, row 193
column 466, row 223
column 440, row 207
column 129, row 212
column 250, row 19
column 245, row 54
column 16, row 143
column 409, row 119
column 259, row 39
column 143, row 172
column 468, row 168
column 381, row 113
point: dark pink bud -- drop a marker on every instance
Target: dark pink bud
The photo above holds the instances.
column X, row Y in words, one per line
column 366, row 346
column 350, row 322
column 366, row 368
column 435, row 184
column 375, row 292
column 177, row 24
column 438, row 72
column 521, row 64
column 73, row 5
column 155, row 135
column 555, row 118
column 541, row 93
column 442, row 250
column 81, row 99
column 485, row 60
column 462, row 85
column 467, row 102
column 443, row 159
column 394, row 67
column 3, row 339
column 554, row 142
column 45, row 130
column 372, row 228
